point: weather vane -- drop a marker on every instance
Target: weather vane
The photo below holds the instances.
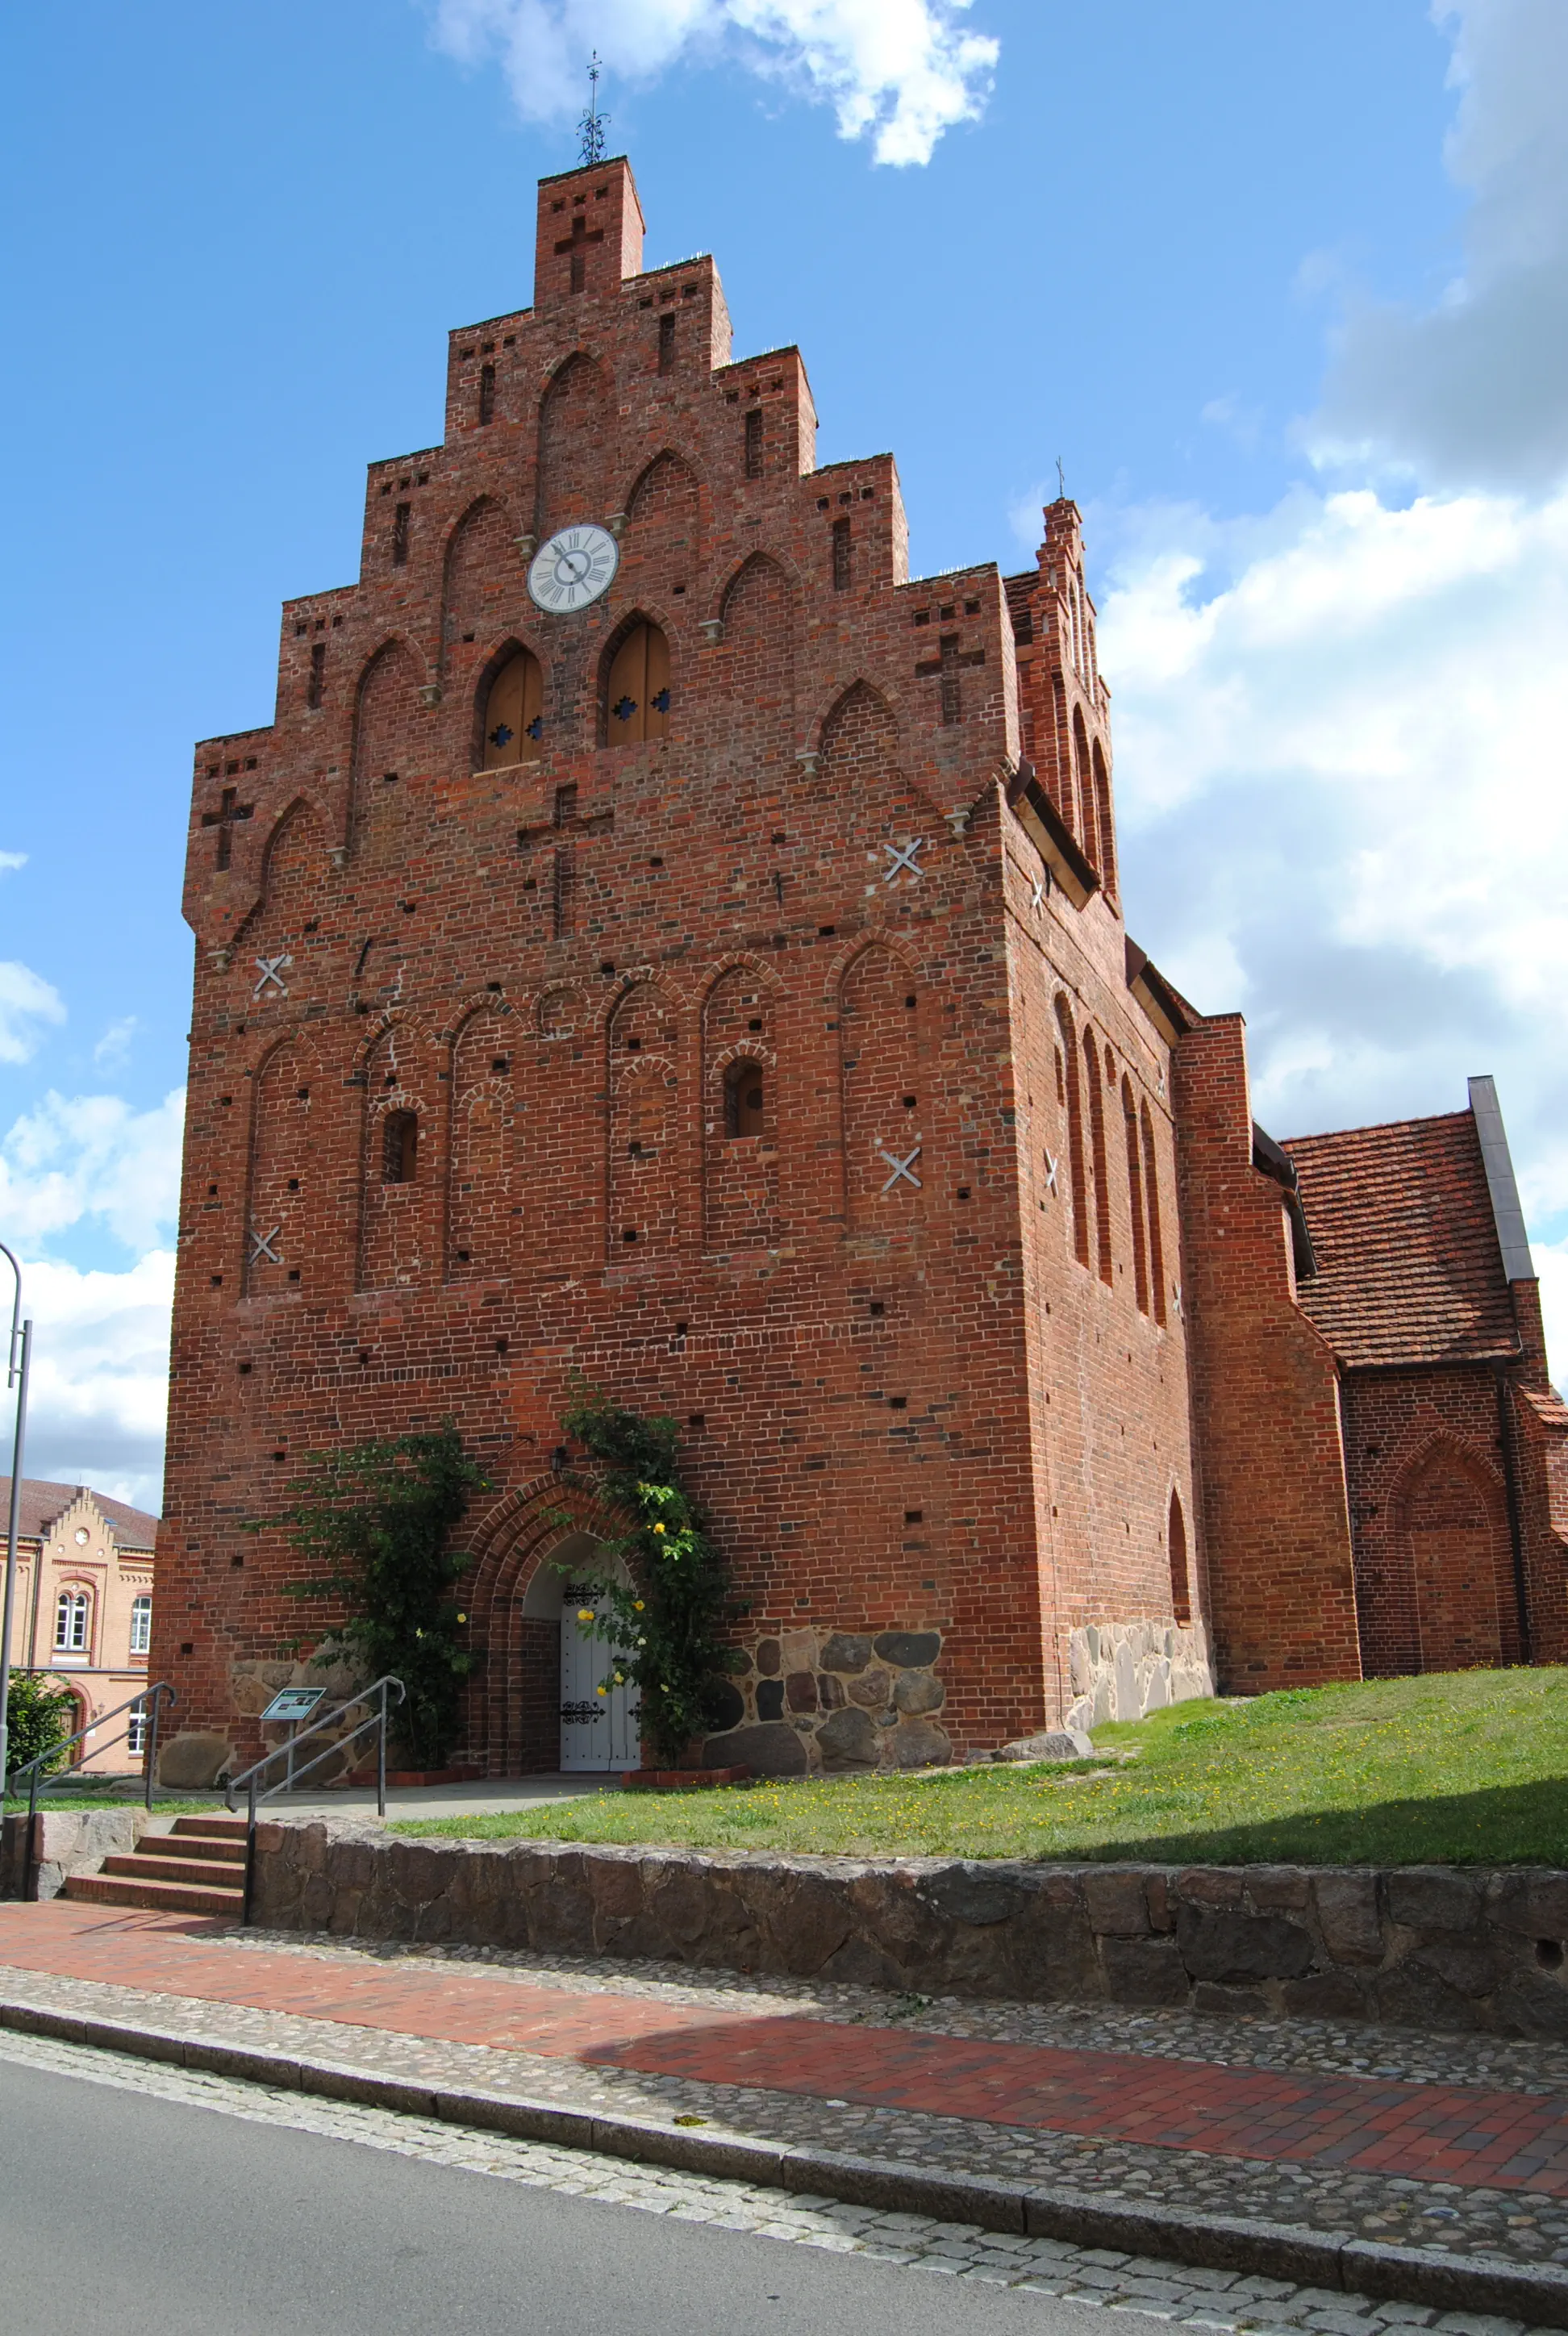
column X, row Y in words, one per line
column 593, row 120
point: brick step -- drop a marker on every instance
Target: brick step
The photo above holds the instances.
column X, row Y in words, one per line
column 210, row 1828
column 166, row 1897
column 192, row 1844
column 133, row 1867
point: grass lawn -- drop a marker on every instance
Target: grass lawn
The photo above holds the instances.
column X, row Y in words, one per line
column 1466, row 1767
column 49, row 1802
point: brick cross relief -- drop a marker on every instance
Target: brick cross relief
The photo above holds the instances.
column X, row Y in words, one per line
column 565, row 825
column 576, row 244
column 901, row 1168
column 902, row 860
column 272, row 971
column 948, row 663
column 224, row 820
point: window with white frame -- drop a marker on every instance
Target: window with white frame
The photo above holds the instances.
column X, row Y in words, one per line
column 71, row 1622
column 136, row 1732
column 141, row 1625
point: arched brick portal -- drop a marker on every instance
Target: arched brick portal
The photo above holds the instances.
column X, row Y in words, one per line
column 1443, row 1598
column 513, row 1707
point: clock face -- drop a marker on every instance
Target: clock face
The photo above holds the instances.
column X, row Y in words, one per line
column 572, row 569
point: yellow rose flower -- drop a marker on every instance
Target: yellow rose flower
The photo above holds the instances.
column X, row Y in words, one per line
column 585, row 1613
column 600, row 1690
column 658, row 1529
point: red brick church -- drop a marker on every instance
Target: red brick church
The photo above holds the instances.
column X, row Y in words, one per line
column 660, row 941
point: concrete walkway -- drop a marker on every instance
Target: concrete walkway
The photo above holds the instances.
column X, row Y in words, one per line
column 447, row 1800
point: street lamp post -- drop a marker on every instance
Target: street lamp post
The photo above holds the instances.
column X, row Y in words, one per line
column 20, row 1350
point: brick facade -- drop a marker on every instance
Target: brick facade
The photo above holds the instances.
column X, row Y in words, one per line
column 741, row 1020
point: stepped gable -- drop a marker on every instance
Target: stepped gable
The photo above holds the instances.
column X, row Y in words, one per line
column 42, row 1501
column 1410, row 1269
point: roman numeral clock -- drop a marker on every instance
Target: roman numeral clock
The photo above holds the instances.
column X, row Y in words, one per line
column 572, row 570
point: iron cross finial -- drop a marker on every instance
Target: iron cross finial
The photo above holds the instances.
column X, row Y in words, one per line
column 593, row 120
column 1061, row 480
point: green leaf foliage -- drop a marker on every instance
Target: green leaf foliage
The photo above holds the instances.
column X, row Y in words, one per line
column 666, row 1629
column 374, row 1523
column 38, row 1717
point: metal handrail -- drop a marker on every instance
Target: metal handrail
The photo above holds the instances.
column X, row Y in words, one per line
column 255, row 1795
column 39, row 1772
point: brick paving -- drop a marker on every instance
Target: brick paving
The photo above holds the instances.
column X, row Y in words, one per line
column 1467, row 2135
column 214, row 1984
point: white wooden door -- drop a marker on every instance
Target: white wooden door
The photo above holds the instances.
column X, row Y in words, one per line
column 597, row 1731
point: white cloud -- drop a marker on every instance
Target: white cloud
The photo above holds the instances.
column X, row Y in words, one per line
column 99, row 1376
column 1342, row 784
column 1551, row 1264
column 113, row 1049
column 10, row 861
column 1468, row 389
column 27, row 1004
column 93, row 1157
column 1342, row 725
column 900, row 71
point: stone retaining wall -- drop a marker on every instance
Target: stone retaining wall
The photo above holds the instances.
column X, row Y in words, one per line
column 71, row 1841
column 1425, row 1946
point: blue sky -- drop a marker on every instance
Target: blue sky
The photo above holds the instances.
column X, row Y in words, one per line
column 1284, row 286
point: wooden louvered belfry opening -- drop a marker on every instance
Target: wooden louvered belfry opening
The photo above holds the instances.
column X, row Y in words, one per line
column 514, row 713
column 637, row 693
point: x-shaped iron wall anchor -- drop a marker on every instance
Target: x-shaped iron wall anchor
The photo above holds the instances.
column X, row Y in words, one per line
column 901, row 857
column 1160, row 1080
column 1179, row 1316
column 262, row 1246
column 1038, row 899
column 904, row 1167
column 272, row 970
column 1051, row 1173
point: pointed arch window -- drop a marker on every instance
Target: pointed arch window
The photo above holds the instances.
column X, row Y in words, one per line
column 1069, row 1063
column 1084, row 788
column 1097, row 1153
column 1151, row 1202
column 1107, row 860
column 513, row 713
column 400, row 1147
column 637, row 691
column 1135, row 1196
column 742, row 1099
column 1177, row 1539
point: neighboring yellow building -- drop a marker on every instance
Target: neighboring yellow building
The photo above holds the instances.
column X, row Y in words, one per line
column 83, row 1611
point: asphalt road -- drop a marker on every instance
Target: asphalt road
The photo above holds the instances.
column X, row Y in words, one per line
column 122, row 2215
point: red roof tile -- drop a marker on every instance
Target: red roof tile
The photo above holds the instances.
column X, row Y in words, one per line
column 1410, row 1269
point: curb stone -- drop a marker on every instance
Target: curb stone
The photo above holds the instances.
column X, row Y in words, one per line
column 1535, row 2295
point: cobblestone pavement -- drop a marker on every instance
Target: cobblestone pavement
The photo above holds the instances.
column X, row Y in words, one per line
column 1514, row 2224
column 1211, row 2300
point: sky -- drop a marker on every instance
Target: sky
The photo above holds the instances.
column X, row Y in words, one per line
column 1285, row 288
